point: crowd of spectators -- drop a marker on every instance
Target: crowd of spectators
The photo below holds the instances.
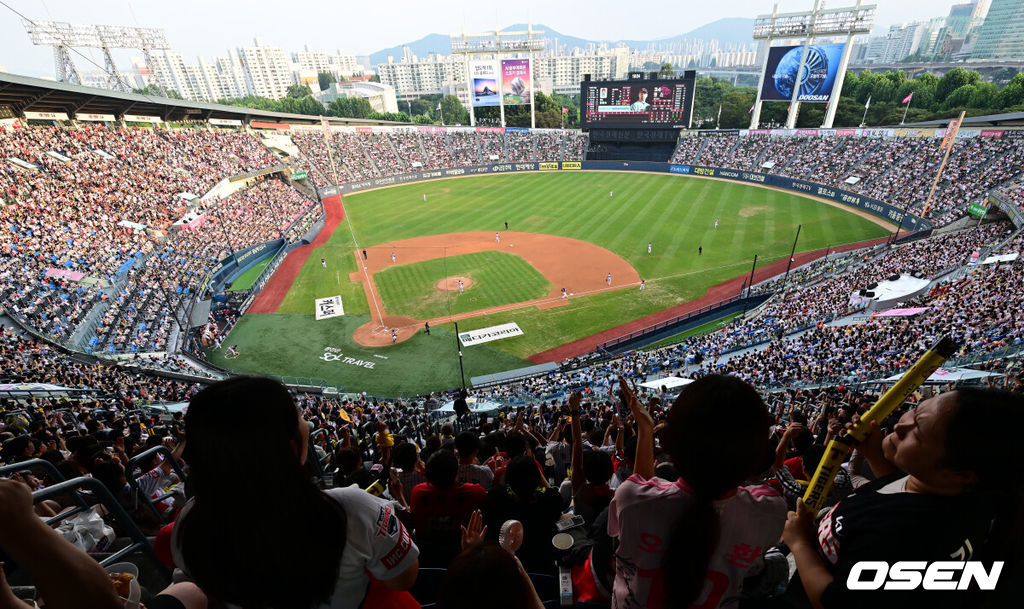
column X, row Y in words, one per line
column 161, row 286
column 88, row 203
column 369, row 155
column 887, row 169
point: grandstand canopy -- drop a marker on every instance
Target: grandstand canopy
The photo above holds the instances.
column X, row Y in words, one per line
column 25, row 94
column 1008, row 119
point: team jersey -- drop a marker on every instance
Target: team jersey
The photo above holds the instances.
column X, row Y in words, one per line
column 882, row 522
column 643, row 514
column 377, row 543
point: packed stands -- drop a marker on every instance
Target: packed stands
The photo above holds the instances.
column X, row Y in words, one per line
column 889, row 169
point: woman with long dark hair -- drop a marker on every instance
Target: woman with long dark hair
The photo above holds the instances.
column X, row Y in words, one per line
column 690, row 541
column 257, row 532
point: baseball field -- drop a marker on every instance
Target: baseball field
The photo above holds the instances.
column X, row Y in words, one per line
column 587, row 232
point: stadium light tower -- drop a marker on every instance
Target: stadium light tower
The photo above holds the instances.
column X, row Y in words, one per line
column 806, row 26
column 64, row 36
column 497, row 44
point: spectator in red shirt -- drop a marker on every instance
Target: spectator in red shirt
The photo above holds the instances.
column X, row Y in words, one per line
column 440, row 506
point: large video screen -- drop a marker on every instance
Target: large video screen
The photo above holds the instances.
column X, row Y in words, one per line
column 646, row 103
column 816, row 81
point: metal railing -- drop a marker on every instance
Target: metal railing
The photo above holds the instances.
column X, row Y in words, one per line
column 152, row 502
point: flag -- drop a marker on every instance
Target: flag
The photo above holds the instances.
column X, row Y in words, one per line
column 906, row 100
column 438, row 106
column 751, row 109
column 719, row 112
column 867, row 104
column 565, row 110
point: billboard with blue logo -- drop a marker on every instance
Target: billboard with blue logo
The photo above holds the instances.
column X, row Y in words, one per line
column 819, row 75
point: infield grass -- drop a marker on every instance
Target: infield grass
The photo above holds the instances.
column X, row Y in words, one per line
column 497, row 279
column 676, row 214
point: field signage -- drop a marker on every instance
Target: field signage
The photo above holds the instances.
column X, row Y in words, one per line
column 548, row 166
column 486, row 335
column 329, row 307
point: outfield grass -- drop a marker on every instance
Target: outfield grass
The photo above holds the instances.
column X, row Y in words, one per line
column 497, row 279
column 675, row 213
column 246, row 279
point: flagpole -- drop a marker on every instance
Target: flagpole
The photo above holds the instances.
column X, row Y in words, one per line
column 718, row 121
column 864, row 119
column 938, row 174
column 909, row 101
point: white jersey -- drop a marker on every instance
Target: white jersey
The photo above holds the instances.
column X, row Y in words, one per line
column 376, row 542
column 643, row 514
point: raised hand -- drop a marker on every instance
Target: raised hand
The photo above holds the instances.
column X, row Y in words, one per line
column 475, row 531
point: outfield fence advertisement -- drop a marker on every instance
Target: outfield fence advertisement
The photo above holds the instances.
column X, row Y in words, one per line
column 486, row 335
column 816, row 80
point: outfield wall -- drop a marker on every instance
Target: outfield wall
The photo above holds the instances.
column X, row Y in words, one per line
column 854, row 200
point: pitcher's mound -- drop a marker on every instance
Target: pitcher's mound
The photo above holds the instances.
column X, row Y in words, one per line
column 373, row 334
column 451, row 284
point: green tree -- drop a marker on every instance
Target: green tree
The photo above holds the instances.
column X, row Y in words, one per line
column 421, row 106
column 666, row 71
column 422, row 119
column 375, row 78
column 154, row 90
column 953, row 80
column 298, row 91
column 453, row 112
column 397, row 117
column 325, row 78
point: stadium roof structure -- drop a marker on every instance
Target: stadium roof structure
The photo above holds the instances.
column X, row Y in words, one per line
column 1008, row 119
column 24, row 93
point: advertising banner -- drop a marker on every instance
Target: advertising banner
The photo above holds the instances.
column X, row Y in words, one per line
column 142, row 118
column 992, row 133
column 947, row 140
column 484, row 80
column 515, row 81
column 815, row 84
column 46, row 116
column 226, row 122
column 329, row 307
column 486, row 335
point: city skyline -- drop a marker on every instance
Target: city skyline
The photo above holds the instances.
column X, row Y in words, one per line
column 309, row 23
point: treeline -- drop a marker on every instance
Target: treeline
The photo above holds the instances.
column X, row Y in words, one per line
column 934, row 98
column 428, row 110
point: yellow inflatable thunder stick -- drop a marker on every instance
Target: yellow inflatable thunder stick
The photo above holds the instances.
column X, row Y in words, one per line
column 821, row 483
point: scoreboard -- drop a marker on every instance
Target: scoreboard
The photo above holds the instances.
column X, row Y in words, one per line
column 638, row 103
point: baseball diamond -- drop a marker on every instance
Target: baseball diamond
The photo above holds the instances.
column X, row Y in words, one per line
column 566, row 232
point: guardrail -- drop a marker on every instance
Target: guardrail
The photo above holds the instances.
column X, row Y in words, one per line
column 678, row 320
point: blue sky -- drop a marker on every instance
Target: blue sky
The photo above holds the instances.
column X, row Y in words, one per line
column 207, row 28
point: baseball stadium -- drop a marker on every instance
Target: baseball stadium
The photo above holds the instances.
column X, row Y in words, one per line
column 631, row 363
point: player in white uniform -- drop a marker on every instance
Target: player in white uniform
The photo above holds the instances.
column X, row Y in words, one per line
column 717, row 434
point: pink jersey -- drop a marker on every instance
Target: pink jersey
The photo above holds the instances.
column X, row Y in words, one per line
column 642, row 516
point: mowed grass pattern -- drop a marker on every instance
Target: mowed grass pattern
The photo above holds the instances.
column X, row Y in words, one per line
column 498, row 279
column 246, row 279
column 674, row 213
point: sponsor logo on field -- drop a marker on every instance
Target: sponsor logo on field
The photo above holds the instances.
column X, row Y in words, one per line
column 548, row 166
column 483, row 335
column 333, row 354
column 572, row 165
column 329, row 307
column 679, row 169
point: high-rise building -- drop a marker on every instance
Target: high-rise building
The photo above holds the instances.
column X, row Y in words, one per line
column 340, row 65
column 268, row 73
column 1001, row 35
